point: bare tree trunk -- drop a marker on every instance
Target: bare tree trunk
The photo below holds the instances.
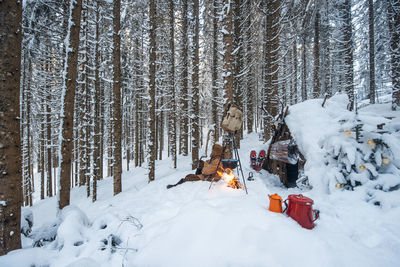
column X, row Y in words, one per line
column 152, row 104
column 86, row 148
column 29, row 185
column 272, row 64
column 160, row 131
column 184, row 93
column 250, row 75
column 69, row 100
column 394, row 26
column 195, row 84
column 238, row 66
column 348, row 53
column 137, row 107
column 215, row 71
column 228, row 47
column 101, row 119
column 173, row 115
column 48, row 142
column 97, row 119
column 227, row 68
column 317, row 84
column 10, row 147
column 371, row 51
column 42, row 146
column 117, row 98
column 304, row 70
column 295, row 63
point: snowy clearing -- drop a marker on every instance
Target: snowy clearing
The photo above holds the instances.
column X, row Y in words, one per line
column 190, row 225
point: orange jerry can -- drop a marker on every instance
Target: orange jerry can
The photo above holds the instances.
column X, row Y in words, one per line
column 275, row 203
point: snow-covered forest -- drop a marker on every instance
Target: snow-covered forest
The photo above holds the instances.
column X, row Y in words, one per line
column 105, row 103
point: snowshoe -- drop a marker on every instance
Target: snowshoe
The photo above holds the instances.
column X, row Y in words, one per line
column 253, row 159
column 260, row 160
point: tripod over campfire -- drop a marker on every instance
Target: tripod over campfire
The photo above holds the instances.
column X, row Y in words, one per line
column 231, row 123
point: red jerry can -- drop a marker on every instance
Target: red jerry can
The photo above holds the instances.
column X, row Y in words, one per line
column 300, row 209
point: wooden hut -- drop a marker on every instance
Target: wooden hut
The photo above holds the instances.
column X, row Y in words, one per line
column 283, row 157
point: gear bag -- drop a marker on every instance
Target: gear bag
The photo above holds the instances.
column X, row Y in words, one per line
column 233, row 119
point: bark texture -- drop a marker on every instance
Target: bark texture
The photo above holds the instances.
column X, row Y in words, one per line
column 393, row 7
column 195, row 83
column 272, row 65
column 69, row 102
column 10, row 142
column 152, row 104
column 117, row 98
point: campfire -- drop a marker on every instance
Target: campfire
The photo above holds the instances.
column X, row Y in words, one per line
column 228, row 176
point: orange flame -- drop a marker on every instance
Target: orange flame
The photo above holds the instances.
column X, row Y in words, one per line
column 229, row 177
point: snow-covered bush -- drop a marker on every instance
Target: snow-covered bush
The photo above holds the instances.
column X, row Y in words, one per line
column 356, row 163
column 346, row 149
column 26, row 221
column 73, row 225
column 43, row 235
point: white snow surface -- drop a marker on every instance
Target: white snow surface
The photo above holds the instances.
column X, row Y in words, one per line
column 190, row 225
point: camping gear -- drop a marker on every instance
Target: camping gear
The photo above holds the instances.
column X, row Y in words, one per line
column 233, row 119
column 228, row 139
column 256, row 163
column 250, row 178
column 284, row 151
column 300, row 209
column 253, row 159
column 275, row 203
column 229, row 163
column 260, row 160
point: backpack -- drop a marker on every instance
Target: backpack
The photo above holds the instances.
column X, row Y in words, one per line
column 233, row 119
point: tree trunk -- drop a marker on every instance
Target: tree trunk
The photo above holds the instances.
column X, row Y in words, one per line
column 250, row 75
column 117, row 98
column 238, row 56
column 348, row 52
column 137, row 106
column 215, row 87
column 184, row 93
column 295, row 63
column 152, row 104
column 173, row 115
column 304, row 70
column 86, row 148
column 48, row 141
column 394, row 26
column 272, row 64
column 227, row 72
column 195, row 84
column 317, row 84
column 101, row 119
column 371, row 51
column 29, row 185
column 97, row 119
column 42, row 145
column 68, row 101
column 10, row 147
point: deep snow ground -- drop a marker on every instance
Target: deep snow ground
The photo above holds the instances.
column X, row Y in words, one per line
column 190, row 225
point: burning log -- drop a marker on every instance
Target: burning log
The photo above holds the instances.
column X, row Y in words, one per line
column 228, row 176
column 234, row 183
